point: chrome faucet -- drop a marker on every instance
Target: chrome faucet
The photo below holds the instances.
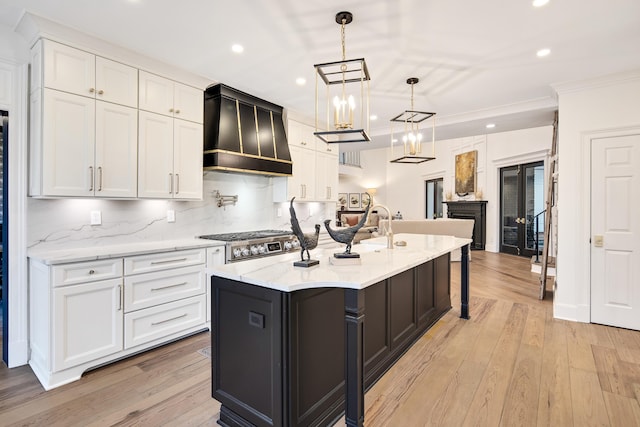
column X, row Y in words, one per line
column 389, row 233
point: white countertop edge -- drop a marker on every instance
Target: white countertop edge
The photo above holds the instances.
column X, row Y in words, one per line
column 280, row 274
column 65, row 256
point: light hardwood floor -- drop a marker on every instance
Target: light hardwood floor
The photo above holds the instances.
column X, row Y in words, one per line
column 511, row 364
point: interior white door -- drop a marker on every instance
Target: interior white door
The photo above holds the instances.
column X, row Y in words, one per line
column 615, row 231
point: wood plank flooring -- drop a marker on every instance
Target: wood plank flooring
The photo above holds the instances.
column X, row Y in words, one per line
column 511, row 364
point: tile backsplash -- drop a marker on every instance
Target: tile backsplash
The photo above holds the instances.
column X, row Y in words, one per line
column 65, row 223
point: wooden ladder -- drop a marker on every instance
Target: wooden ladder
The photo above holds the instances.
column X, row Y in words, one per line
column 547, row 214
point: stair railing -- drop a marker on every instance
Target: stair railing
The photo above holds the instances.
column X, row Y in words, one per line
column 536, row 235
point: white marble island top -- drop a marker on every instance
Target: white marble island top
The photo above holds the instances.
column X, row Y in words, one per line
column 376, row 263
column 63, row 256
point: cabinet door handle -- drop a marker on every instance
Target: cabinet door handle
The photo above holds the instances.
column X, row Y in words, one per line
column 169, row 286
column 91, row 178
column 99, row 178
column 92, row 90
column 166, row 261
column 170, row 183
column 177, row 111
column 303, row 143
column 119, row 297
column 171, row 110
column 100, row 92
column 177, row 183
column 168, row 320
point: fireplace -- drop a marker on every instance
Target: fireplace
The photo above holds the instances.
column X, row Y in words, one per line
column 476, row 210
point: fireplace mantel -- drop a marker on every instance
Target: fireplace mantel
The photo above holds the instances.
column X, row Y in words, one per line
column 473, row 209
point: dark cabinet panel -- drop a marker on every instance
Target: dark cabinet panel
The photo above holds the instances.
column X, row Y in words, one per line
column 317, row 354
column 401, row 308
column 248, row 129
column 265, row 133
column 248, row 348
column 425, row 294
column 376, row 331
column 442, row 266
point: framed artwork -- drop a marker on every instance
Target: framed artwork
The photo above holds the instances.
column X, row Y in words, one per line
column 354, row 200
column 342, row 200
column 365, row 199
column 466, row 172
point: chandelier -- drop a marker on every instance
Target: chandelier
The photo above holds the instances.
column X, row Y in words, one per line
column 412, row 136
column 346, row 95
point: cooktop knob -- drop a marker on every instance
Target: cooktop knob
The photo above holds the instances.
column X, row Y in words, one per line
column 237, row 253
column 287, row 246
column 295, row 243
column 245, row 251
column 262, row 249
column 254, row 250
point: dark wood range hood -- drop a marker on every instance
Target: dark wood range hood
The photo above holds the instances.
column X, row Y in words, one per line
column 244, row 134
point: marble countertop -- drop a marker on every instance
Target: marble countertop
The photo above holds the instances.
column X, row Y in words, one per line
column 376, row 263
column 63, row 256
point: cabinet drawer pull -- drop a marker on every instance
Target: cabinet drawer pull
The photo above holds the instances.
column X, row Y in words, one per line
column 170, row 183
column 119, row 297
column 91, row 178
column 168, row 320
column 99, row 178
column 177, row 183
column 169, row 286
column 167, row 261
column 92, row 272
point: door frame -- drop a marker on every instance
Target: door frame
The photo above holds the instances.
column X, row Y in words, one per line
column 521, row 248
column 426, row 199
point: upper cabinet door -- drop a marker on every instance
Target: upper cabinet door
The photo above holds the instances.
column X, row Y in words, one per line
column 116, row 82
column 187, row 160
column 68, row 142
column 155, row 156
column 188, row 103
column 156, row 94
column 69, row 70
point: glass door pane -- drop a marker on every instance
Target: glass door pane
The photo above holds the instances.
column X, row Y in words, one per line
column 509, row 209
column 439, row 197
column 534, row 204
column 434, row 194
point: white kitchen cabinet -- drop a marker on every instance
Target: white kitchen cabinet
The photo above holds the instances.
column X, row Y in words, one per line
column 87, row 322
column 170, row 98
column 85, row 314
column 326, row 176
column 82, row 73
column 315, row 167
column 169, row 158
column 215, row 256
column 83, row 124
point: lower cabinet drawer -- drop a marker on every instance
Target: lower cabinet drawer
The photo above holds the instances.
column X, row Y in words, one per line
column 147, row 290
column 153, row 323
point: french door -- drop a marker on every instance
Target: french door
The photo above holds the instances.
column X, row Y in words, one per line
column 521, row 207
column 434, row 190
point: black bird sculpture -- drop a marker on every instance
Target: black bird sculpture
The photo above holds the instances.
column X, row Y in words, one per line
column 346, row 235
column 307, row 241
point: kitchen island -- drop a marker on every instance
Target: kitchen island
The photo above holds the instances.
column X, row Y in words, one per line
column 291, row 346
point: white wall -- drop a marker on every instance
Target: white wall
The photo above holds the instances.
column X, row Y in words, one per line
column 587, row 110
column 404, row 190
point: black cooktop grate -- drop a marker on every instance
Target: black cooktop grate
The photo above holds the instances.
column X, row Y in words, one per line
column 246, row 235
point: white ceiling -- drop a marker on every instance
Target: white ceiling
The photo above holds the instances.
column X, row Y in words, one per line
column 476, row 60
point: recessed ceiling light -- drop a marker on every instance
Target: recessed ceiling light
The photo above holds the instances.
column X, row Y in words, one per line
column 491, row 125
column 237, row 48
column 543, row 52
column 539, row 3
column 301, row 81
column 373, row 117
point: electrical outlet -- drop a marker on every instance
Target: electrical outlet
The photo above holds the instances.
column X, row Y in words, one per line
column 171, row 215
column 96, row 218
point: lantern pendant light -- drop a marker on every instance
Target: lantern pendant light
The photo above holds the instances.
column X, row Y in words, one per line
column 346, row 96
column 412, row 137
